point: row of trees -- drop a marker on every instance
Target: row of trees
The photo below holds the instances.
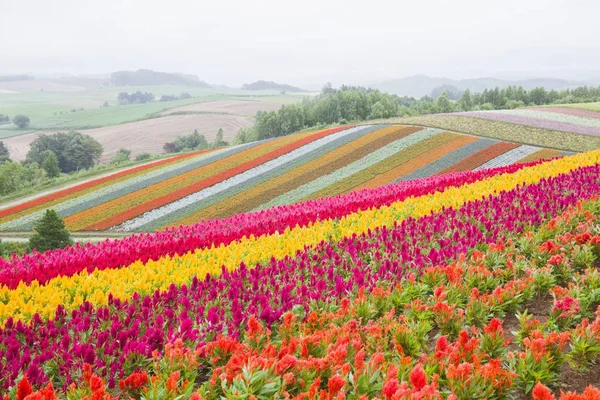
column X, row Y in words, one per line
column 194, row 141
column 168, row 97
column 135, row 98
column 331, row 106
column 350, row 103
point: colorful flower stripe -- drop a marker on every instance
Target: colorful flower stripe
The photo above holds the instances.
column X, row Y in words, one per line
column 510, row 157
column 127, row 207
column 304, row 191
column 116, row 253
column 400, row 158
column 534, row 122
column 401, row 343
column 70, row 292
column 479, row 158
column 247, row 198
column 42, row 202
column 419, row 161
column 571, row 111
column 547, row 115
column 109, row 192
column 236, row 182
column 543, row 154
column 506, row 131
column 448, row 160
column 107, row 337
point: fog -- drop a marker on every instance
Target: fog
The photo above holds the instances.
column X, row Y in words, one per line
column 303, row 43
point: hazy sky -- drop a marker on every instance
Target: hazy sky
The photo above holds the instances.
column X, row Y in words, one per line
column 300, row 42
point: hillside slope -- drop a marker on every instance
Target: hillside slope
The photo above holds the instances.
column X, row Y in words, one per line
column 563, row 128
column 254, row 176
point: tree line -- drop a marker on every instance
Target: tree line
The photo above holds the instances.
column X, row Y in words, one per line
column 354, row 104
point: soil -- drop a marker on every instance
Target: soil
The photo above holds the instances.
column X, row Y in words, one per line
column 145, row 136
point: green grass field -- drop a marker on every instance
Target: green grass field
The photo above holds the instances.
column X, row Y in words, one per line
column 586, row 106
column 62, row 110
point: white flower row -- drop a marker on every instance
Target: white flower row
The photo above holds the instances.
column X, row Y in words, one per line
column 510, row 157
column 370, row 159
column 145, row 218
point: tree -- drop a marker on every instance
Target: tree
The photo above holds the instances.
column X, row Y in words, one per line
column 50, row 233
column 4, row 154
column 74, row 150
column 50, row 164
column 465, row 102
column 170, row 147
column 121, row 156
column 143, row 156
column 444, row 103
column 21, row 121
column 219, row 142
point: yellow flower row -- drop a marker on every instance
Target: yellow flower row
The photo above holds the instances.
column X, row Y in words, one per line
column 22, row 302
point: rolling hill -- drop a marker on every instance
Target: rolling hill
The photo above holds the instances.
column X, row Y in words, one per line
column 572, row 128
column 254, row 176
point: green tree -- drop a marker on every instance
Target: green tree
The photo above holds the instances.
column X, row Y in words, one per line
column 50, row 233
column 50, row 164
column 143, row 156
column 75, row 151
column 11, row 177
column 121, row 156
column 444, row 103
column 465, row 102
column 21, row 121
column 4, row 154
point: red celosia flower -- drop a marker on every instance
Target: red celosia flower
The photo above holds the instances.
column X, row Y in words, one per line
column 23, row 388
column 172, row 381
column 541, row 392
column 335, row 384
column 418, row 378
column 135, row 381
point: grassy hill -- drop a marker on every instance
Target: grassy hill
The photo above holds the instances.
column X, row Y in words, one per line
column 574, row 128
column 254, row 176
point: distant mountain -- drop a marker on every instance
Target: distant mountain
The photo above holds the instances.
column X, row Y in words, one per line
column 15, row 78
column 270, row 85
column 146, row 77
column 422, row 85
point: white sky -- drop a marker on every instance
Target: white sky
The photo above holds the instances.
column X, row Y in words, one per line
column 300, row 42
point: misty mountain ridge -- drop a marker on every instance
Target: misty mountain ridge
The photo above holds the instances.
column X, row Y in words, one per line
column 147, row 77
column 270, row 85
column 423, row 85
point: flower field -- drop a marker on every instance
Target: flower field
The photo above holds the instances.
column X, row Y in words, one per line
column 475, row 284
column 220, row 183
column 561, row 128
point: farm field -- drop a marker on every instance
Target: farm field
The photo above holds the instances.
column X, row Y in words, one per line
column 494, row 294
column 564, row 128
column 256, row 176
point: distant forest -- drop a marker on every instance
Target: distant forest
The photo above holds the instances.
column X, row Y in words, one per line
column 146, row 77
column 270, row 85
column 353, row 104
column 14, row 78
